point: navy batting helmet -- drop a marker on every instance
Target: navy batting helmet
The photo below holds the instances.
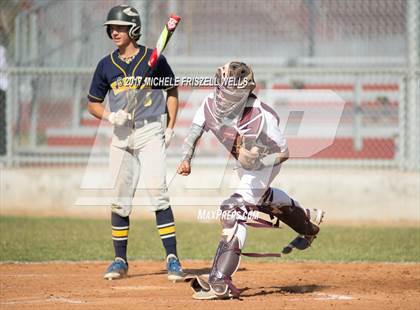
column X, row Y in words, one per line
column 124, row 15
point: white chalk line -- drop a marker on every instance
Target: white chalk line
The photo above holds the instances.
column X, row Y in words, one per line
column 66, row 300
column 324, row 296
column 29, row 300
column 140, row 288
column 27, row 275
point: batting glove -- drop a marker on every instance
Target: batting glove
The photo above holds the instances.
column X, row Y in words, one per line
column 119, row 118
column 169, row 133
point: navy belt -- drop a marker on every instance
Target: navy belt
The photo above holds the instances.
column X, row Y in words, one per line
column 143, row 122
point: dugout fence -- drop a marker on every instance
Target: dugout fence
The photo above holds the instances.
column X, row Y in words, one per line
column 367, row 52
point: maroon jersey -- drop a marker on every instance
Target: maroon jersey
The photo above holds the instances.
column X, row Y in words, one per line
column 258, row 125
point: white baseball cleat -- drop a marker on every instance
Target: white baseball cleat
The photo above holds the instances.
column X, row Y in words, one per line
column 316, row 216
column 210, row 295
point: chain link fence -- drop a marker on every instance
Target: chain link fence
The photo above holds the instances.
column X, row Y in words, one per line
column 366, row 52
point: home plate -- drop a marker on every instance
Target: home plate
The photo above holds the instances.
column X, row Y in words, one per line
column 324, row 296
column 139, row 288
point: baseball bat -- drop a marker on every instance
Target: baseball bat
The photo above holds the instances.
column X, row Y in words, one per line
column 161, row 43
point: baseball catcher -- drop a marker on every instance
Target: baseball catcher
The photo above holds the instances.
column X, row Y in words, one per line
column 249, row 129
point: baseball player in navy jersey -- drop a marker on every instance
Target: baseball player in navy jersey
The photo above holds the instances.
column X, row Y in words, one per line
column 249, row 129
column 140, row 137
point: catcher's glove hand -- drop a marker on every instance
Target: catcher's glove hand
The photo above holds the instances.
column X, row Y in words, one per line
column 249, row 159
column 249, row 154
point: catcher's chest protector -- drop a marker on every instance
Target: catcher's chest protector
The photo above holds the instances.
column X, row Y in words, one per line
column 249, row 124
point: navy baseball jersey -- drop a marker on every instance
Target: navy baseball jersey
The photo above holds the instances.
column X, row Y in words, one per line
column 115, row 78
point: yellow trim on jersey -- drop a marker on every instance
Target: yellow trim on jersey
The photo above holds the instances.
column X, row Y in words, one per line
column 170, row 87
column 120, row 233
column 95, row 97
column 117, row 65
column 166, row 230
column 141, row 59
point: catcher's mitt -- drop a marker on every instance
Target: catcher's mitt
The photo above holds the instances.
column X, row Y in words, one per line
column 249, row 153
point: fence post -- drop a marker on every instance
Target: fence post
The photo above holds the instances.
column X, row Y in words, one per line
column 9, row 119
column 413, row 101
column 357, row 108
column 402, row 125
column 33, row 56
column 77, row 58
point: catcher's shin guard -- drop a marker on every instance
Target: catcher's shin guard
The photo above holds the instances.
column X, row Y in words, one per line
column 225, row 263
column 227, row 258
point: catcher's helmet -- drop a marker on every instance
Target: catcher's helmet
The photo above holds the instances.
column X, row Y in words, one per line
column 124, row 15
column 234, row 82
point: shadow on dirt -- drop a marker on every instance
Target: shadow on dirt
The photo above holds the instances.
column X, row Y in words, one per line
column 197, row 271
column 136, row 275
column 294, row 289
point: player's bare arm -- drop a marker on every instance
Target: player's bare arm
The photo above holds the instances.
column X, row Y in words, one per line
column 98, row 110
column 172, row 108
column 172, row 104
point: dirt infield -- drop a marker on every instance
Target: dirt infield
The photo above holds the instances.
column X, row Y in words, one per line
column 269, row 286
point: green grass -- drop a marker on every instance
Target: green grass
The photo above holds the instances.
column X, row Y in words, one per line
column 43, row 239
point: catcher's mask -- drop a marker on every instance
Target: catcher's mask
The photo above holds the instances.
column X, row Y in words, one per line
column 234, row 82
column 124, row 15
